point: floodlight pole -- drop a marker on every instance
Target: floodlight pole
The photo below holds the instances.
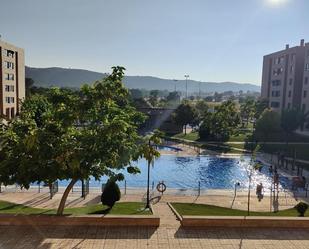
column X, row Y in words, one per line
column 187, row 76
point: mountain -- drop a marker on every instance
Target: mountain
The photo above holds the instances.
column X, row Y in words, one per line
column 74, row 78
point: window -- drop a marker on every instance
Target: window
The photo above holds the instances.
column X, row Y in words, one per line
column 275, row 93
column 9, row 88
column 291, row 82
column 12, row 112
column 277, row 71
column 275, row 104
column 8, row 53
column 291, row 69
column 9, row 76
column 289, row 105
column 9, row 100
column 306, row 81
column 307, row 67
column 290, row 94
column 305, row 94
column 9, row 65
column 279, row 60
column 293, row 57
column 276, row 82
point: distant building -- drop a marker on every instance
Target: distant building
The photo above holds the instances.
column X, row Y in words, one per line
column 12, row 79
column 285, row 77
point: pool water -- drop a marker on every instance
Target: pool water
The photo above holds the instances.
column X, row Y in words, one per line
column 187, row 172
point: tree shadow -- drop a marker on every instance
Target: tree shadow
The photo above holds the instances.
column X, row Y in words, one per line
column 45, row 237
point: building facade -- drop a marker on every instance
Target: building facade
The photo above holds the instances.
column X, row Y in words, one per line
column 12, row 79
column 285, row 78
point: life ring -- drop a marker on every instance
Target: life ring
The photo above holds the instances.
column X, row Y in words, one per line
column 161, row 187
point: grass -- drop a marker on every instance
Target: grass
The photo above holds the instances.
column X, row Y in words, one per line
column 192, row 136
column 122, row 208
column 210, row 210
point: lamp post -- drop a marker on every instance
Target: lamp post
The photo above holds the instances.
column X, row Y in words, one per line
column 175, row 85
column 148, row 180
column 187, row 76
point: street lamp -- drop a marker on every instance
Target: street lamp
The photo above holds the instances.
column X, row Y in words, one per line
column 148, row 179
column 175, row 85
column 187, row 76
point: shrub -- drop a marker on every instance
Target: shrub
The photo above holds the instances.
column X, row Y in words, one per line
column 301, row 208
column 111, row 193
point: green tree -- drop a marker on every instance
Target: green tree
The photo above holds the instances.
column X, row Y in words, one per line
column 268, row 123
column 260, row 107
column 291, row 120
column 185, row 114
column 77, row 135
column 150, row 153
column 221, row 124
column 247, row 109
column 201, row 107
column 111, row 193
column 173, row 98
column 154, row 97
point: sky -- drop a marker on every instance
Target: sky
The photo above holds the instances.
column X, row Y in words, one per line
column 210, row 40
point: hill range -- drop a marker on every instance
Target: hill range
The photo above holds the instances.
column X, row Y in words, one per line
column 74, row 78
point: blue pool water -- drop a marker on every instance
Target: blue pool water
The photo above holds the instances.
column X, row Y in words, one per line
column 186, row 173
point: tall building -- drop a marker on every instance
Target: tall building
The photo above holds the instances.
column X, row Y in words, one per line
column 285, row 78
column 12, row 79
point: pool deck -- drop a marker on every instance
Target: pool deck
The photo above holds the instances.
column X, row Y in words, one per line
column 224, row 198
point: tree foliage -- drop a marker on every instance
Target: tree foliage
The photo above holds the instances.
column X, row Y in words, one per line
column 291, row 120
column 268, row 123
column 111, row 193
column 72, row 135
column 247, row 110
column 220, row 124
column 184, row 115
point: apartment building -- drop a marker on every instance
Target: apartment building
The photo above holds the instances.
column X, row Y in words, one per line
column 285, row 78
column 305, row 90
column 12, row 79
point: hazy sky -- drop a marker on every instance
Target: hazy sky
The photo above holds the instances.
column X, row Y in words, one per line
column 211, row 40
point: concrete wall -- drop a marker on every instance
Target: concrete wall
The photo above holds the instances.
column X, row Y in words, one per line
column 245, row 222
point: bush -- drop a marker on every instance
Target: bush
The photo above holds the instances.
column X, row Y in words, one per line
column 301, row 208
column 111, row 193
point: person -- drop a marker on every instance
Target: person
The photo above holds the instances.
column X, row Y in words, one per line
column 276, row 179
column 259, row 191
column 270, row 169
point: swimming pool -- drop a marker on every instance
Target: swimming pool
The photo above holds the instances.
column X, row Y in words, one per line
column 187, row 172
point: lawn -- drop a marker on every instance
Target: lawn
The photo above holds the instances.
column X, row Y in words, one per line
column 122, row 208
column 209, row 210
column 192, row 136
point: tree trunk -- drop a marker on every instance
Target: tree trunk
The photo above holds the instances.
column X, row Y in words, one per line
column 185, row 129
column 65, row 196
